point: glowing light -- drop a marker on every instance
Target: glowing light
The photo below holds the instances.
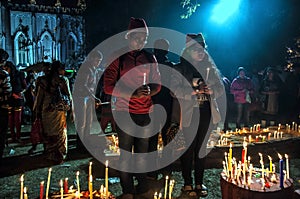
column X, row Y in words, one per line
column 223, row 10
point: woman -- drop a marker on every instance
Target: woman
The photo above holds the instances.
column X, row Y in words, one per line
column 196, row 84
column 53, row 121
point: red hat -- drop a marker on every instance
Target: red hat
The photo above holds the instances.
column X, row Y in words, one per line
column 137, row 25
column 191, row 39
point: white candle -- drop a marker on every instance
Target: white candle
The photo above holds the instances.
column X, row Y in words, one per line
column 77, row 181
column 90, row 169
column 262, row 165
column 25, row 193
column 171, row 188
column 144, row 81
column 61, row 189
column 166, row 187
column 287, row 166
column 48, row 182
column 155, row 195
column 227, row 174
column 22, row 186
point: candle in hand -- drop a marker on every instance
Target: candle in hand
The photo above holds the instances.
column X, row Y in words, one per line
column 287, row 166
column 22, row 186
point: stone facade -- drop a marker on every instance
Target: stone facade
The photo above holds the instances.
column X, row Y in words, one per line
column 32, row 31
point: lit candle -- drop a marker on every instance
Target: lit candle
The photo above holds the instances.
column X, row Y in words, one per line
column 77, row 181
column 101, row 191
column 287, row 166
column 42, row 190
column 22, row 186
column 256, row 139
column 25, row 193
column 66, row 186
column 155, row 195
column 90, row 169
column 250, row 139
column 61, row 189
column 262, row 165
column 254, row 127
column 172, row 182
column 224, row 168
column 230, row 158
column 271, row 166
column 280, row 171
column 48, row 182
column 226, row 161
column 166, row 187
column 159, row 196
column 207, row 73
column 91, row 186
column 106, row 179
column 269, row 136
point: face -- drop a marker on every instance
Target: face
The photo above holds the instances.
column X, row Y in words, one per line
column 242, row 74
column 197, row 52
column 137, row 40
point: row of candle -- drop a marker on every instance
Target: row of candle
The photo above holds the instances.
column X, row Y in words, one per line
column 235, row 173
column 169, row 184
column 64, row 185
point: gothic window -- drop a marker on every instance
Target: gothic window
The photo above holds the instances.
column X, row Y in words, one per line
column 21, row 49
column 47, row 47
column 71, row 45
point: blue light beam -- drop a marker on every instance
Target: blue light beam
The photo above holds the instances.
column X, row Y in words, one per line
column 224, row 10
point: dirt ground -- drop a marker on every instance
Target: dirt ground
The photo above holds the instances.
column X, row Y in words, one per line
column 35, row 169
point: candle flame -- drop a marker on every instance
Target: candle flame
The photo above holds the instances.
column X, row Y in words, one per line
column 91, row 163
column 25, row 190
column 50, row 169
column 77, row 173
column 225, row 153
column 42, row 183
column 286, row 156
column 280, row 157
column 22, row 178
column 61, row 182
column 155, row 194
column 270, row 158
column 245, row 144
column 91, row 178
column 230, row 145
column 106, row 163
column 66, row 179
column 260, row 154
column 167, row 177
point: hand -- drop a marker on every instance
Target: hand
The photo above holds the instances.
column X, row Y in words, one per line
column 142, row 91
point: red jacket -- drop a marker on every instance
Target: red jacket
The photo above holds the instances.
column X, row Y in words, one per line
column 129, row 75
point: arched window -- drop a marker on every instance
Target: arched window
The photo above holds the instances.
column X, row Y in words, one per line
column 46, row 46
column 21, row 49
column 71, row 45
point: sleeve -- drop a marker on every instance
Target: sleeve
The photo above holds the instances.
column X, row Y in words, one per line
column 110, row 78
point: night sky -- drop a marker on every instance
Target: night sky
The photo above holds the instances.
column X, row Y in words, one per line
column 255, row 36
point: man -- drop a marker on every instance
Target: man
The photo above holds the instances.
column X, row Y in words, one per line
column 129, row 78
column 5, row 92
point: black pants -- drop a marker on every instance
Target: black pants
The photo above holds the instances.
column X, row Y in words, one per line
column 3, row 129
column 129, row 142
column 192, row 154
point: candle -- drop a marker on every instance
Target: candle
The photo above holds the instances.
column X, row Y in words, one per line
column 42, row 190
column 77, row 181
column 106, row 179
column 256, row 139
column 66, row 186
column 271, row 166
column 90, row 169
column 284, row 173
column 22, row 186
column 155, row 195
column 287, row 166
column 249, row 139
column 101, row 191
column 224, row 168
column 171, row 188
column 61, row 189
column 262, row 165
column 48, row 182
column 159, row 196
column 166, row 187
column 269, row 136
column 25, row 193
column 251, row 129
column 207, row 73
column 280, row 171
column 230, row 158
column 91, row 186
column 227, row 174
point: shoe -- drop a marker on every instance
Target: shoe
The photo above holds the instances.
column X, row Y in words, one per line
column 125, row 196
column 187, row 192
column 202, row 192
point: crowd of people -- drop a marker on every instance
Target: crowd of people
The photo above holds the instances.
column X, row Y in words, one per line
column 186, row 94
